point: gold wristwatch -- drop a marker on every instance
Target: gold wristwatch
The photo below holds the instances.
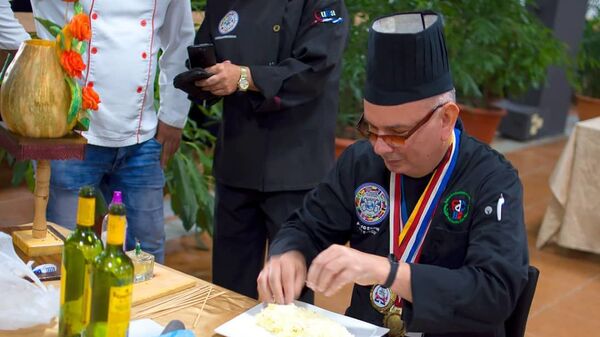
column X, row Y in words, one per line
column 243, row 83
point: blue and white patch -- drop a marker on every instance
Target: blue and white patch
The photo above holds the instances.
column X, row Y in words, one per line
column 229, row 22
column 372, row 203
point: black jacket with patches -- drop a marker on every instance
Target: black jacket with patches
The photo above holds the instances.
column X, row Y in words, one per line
column 470, row 273
column 283, row 137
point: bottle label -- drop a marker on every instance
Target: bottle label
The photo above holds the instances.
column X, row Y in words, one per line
column 85, row 211
column 115, row 229
column 119, row 310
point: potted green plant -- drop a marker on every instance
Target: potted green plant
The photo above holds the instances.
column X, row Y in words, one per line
column 587, row 75
column 497, row 48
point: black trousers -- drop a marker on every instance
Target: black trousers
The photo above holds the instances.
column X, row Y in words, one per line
column 245, row 220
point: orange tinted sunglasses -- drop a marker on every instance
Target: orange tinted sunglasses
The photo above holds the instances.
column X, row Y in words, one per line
column 393, row 140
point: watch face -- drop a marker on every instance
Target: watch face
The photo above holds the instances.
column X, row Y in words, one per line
column 243, row 84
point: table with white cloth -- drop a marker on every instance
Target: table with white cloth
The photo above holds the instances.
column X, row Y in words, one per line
column 572, row 219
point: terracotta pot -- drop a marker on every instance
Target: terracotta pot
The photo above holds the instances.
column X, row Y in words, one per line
column 341, row 144
column 481, row 123
column 587, row 107
column 34, row 97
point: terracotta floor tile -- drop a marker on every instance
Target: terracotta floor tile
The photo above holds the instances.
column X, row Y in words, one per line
column 534, row 215
column 582, row 302
column 536, row 188
column 184, row 255
column 559, row 322
column 563, row 269
column 10, row 193
column 16, row 211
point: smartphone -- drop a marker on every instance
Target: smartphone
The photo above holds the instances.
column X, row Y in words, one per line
column 202, row 55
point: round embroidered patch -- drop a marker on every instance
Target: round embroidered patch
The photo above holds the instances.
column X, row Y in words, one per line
column 372, row 203
column 457, row 207
column 229, row 22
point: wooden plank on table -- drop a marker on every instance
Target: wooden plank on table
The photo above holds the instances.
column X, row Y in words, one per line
column 166, row 281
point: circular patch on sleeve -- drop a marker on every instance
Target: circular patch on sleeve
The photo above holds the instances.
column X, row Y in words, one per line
column 229, row 22
column 372, row 203
column 457, row 207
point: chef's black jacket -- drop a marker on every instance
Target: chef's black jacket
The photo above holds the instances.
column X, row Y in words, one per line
column 283, row 137
column 470, row 273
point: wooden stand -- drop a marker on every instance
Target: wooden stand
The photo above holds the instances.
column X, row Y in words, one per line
column 40, row 240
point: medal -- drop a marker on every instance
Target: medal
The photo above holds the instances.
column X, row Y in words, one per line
column 393, row 321
column 382, row 299
column 408, row 232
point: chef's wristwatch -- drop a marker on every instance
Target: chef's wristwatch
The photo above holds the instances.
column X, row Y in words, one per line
column 243, row 83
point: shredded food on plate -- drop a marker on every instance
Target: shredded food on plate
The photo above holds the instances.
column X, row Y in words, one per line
column 292, row 321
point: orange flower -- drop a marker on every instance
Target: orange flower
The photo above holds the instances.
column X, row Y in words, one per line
column 72, row 63
column 90, row 98
column 80, row 27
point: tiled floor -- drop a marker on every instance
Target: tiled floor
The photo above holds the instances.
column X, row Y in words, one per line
column 567, row 300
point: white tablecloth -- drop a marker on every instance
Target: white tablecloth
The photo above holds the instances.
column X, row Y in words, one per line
column 572, row 219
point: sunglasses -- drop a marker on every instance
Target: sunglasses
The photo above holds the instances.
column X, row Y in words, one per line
column 393, row 140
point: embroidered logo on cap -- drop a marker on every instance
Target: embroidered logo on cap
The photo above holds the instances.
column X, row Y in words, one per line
column 372, row 203
column 229, row 22
column 457, row 206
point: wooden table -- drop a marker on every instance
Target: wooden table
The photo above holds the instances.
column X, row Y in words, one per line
column 219, row 306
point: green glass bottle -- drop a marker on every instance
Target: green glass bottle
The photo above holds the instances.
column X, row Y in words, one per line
column 112, row 282
column 80, row 250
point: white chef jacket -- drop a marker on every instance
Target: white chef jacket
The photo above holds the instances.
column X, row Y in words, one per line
column 11, row 31
column 121, row 64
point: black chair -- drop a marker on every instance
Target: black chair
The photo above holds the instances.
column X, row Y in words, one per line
column 515, row 324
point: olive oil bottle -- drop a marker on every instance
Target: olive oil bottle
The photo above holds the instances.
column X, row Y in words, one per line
column 112, row 282
column 80, row 250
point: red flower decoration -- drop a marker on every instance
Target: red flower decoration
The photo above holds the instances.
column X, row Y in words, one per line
column 80, row 27
column 72, row 63
column 91, row 99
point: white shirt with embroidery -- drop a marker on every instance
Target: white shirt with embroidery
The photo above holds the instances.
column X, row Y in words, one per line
column 121, row 64
column 11, row 31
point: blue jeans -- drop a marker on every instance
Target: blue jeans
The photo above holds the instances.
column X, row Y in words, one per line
column 135, row 170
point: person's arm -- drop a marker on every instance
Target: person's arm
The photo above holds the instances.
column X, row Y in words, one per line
column 317, row 50
column 12, row 32
column 175, row 35
column 324, row 219
column 483, row 292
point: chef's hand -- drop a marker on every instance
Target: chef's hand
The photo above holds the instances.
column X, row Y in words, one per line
column 170, row 138
column 224, row 80
column 282, row 279
column 339, row 265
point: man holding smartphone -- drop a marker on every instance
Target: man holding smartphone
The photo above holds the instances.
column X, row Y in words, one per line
column 278, row 70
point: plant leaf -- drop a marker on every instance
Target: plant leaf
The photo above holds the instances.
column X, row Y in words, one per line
column 76, row 99
column 19, row 172
column 77, row 8
column 184, row 191
column 50, row 26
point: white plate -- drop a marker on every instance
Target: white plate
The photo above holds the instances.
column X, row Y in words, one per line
column 244, row 324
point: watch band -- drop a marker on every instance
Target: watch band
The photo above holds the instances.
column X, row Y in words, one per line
column 393, row 271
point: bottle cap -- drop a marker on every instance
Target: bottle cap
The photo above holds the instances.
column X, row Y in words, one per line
column 117, row 197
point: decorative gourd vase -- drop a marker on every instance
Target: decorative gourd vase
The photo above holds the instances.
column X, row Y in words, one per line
column 34, row 96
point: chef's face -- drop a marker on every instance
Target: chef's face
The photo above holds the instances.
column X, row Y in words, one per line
column 413, row 137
